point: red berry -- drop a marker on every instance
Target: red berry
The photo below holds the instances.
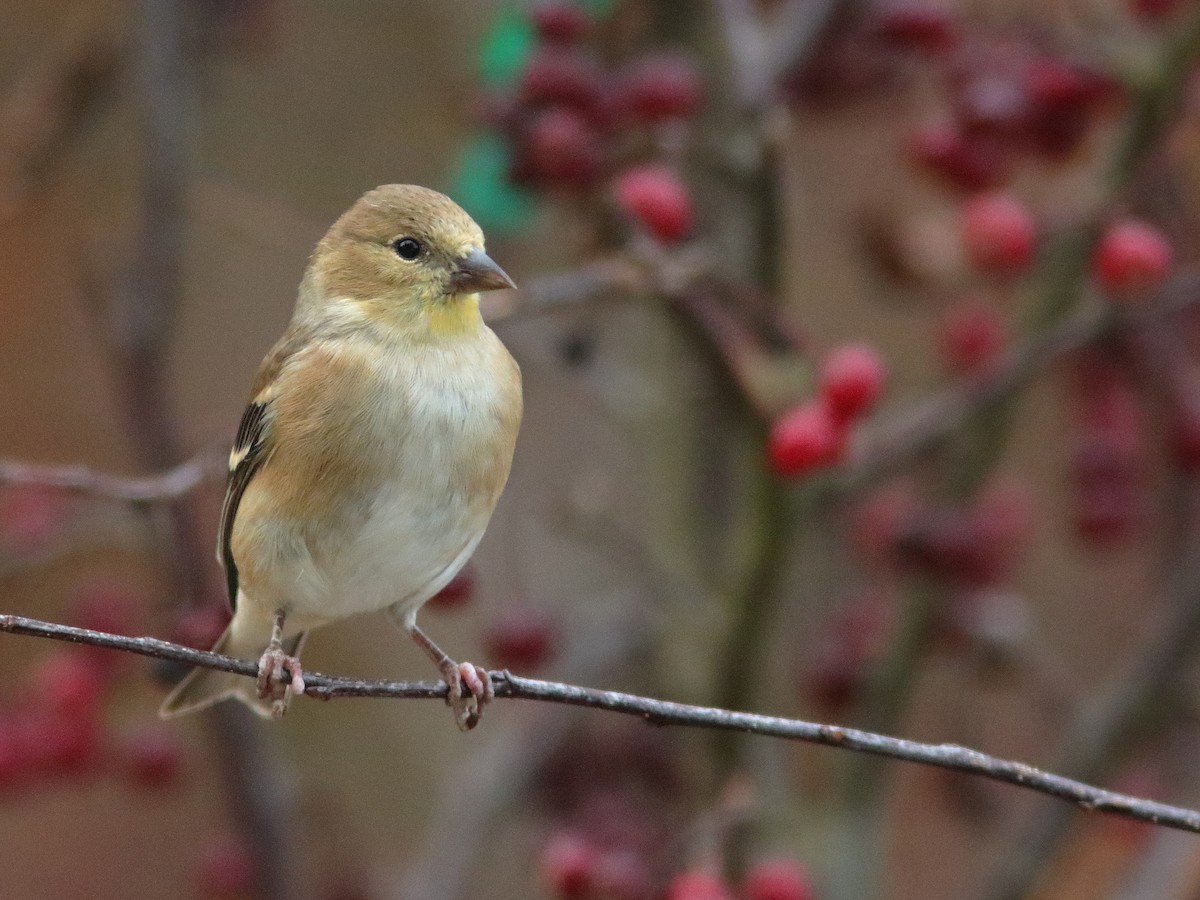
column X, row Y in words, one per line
column 852, row 380
column 698, row 885
column 922, row 27
column 569, row 865
column 30, row 516
column 560, row 22
column 999, row 234
column 563, row 77
column 1131, row 258
column 667, row 86
column 780, row 879
column 68, row 683
column 656, row 197
column 59, row 743
column 458, row 591
column 227, row 869
column 560, row 149
column 153, row 758
column 521, row 639
column 105, row 606
column 805, row 438
column 966, row 163
column 972, row 337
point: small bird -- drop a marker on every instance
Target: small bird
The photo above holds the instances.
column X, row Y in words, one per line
column 378, row 438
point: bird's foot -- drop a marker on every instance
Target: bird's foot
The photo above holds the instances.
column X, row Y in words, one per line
column 279, row 677
column 470, row 690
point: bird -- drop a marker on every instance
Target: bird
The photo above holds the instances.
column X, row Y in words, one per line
column 378, row 438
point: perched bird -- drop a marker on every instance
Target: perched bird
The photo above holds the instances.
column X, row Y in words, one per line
column 378, row 438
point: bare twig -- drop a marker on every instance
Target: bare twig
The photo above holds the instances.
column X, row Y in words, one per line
column 655, row 712
column 161, row 488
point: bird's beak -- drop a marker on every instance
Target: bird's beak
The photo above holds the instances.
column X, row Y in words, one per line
column 477, row 272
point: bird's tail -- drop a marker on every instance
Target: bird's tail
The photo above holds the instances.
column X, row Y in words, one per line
column 202, row 687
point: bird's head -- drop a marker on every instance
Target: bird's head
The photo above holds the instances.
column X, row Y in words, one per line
column 407, row 256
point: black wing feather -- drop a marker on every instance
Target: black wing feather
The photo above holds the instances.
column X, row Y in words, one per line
column 250, row 451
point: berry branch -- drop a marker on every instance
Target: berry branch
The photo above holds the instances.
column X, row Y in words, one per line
column 656, row 712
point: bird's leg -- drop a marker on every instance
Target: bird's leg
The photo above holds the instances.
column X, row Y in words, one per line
column 279, row 675
column 469, row 708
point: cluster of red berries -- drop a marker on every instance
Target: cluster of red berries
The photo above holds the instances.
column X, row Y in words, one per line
column 576, row 124
column 56, row 726
column 772, row 879
column 814, row 433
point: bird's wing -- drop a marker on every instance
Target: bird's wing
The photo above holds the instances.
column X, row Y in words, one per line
column 251, row 449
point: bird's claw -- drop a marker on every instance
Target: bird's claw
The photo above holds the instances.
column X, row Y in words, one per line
column 279, row 677
column 470, row 689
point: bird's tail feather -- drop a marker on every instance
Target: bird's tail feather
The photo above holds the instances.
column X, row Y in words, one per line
column 202, row 687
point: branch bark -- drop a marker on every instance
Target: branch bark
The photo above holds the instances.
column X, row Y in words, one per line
column 657, row 712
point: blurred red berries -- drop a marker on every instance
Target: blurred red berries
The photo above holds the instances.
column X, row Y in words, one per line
column 926, row 28
column 522, row 639
column 662, row 87
column 805, row 438
column 657, row 198
column 560, row 149
column 778, row 879
column 698, row 885
column 459, row 591
column 152, row 758
column 227, row 870
column 972, row 337
column 999, row 234
column 68, row 684
column 852, row 380
column 966, row 163
column 200, row 627
column 1131, row 258
column 569, row 865
column 560, row 22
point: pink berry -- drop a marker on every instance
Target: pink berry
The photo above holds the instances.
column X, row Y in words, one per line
column 655, row 196
column 522, row 639
column 921, row 27
column 152, row 758
column 560, row 149
column 779, row 879
column 852, row 380
column 227, row 870
column 61, row 743
column 458, row 591
column 68, row 683
column 560, row 22
column 658, row 88
column 807, row 437
column 1131, row 258
column 972, row 336
column 569, row 865
column 698, row 885
column 15, row 767
column 880, row 520
column 999, row 234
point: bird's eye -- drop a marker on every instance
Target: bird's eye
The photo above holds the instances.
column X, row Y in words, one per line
column 407, row 248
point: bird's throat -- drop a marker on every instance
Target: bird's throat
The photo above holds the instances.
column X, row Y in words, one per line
column 457, row 314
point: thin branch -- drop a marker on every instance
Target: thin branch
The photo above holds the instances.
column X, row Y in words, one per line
column 656, row 712
column 160, row 488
